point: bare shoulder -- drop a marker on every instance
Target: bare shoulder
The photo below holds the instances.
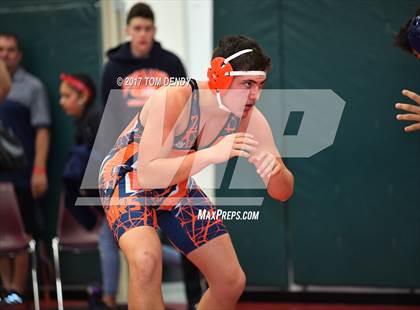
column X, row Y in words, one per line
column 169, row 101
column 178, row 96
column 255, row 121
column 259, row 127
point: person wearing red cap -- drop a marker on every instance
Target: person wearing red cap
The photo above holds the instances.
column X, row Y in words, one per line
column 77, row 97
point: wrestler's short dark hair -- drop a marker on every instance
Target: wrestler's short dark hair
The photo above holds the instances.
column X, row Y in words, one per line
column 401, row 40
column 12, row 35
column 140, row 10
column 256, row 60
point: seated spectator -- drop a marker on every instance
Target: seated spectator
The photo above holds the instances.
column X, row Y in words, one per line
column 77, row 97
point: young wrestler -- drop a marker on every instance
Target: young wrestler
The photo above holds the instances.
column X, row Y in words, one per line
column 146, row 179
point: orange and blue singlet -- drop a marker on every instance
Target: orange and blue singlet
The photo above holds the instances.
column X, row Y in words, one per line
column 173, row 209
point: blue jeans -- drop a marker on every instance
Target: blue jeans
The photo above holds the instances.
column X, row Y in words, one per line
column 110, row 260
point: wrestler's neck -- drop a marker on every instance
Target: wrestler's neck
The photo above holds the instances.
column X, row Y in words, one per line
column 208, row 101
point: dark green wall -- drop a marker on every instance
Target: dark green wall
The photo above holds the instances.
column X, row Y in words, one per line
column 261, row 245
column 354, row 217
column 57, row 36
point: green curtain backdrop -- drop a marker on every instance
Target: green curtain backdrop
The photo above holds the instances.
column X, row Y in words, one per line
column 354, row 217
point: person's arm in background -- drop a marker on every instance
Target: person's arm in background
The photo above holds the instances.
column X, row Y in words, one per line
column 90, row 131
column 40, row 120
column 176, row 68
column 94, row 123
column 39, row 181
column 414, row 111
column 179, row 70
column 5, row 81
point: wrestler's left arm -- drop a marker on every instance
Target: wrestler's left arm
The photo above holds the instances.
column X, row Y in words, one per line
column 267, row 159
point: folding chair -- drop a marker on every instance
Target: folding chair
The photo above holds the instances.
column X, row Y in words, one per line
column 71, row 237
column 13, row 237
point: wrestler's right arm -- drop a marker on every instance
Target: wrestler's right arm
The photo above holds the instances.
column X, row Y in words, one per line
column 155, row 169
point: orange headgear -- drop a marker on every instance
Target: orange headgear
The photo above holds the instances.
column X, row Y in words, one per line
column 221, row 75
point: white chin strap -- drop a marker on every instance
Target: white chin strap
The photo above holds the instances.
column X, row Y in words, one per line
column 219, row 102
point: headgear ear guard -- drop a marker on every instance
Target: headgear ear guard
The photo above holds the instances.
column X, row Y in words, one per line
column 221, row 75
column 414, row 33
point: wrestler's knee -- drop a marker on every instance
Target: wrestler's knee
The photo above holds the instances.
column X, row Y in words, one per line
column 144, row 266
column 229, row 284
